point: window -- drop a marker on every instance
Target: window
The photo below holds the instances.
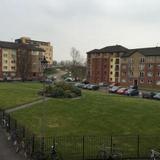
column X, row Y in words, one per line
column 4, row 55
column 158, row 74
column 13, row 67
column 141, row 80
column 13, row 61
column 6, row 61
column 130, row 73
column 150, row 66
column 117, row 61
column 149, row 81
column 117, row 74
column 111, row 66
column 111, row 60
column 141, row 74
column 5, row 67
column 142, row 60
column 110, row 79
column 123, row 73
column 111, row 72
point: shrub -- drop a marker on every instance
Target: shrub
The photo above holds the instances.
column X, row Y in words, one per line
column 48, row 89
column 76, row 90
column 61, row 90
column 57, row 92
column 68, row 94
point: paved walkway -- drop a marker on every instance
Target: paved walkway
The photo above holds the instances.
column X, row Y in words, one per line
column 26, row 105
column 7, row 151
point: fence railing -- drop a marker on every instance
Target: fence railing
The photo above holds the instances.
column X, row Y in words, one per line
column 82, row 147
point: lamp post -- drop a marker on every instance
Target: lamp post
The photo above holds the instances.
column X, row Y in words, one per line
column 44, row 64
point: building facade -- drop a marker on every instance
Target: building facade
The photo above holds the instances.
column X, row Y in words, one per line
column 141, row 67
column 103, row 65
column 46, row 46
column 19, row 61
column 117, row 64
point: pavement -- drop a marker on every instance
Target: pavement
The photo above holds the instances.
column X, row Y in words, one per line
column 26, row 106
column 7, row 151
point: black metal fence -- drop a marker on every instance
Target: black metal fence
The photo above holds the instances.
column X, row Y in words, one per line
column 82, row 147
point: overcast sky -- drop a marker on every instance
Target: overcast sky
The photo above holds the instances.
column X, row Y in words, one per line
column 84, row 24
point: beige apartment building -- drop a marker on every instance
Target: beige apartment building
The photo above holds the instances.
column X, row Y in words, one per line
column 46, row 46
column 20, row 61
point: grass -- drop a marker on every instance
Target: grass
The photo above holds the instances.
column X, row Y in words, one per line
column 17, row 93
column 94, row 113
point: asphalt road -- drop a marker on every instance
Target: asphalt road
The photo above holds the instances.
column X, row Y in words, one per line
column 7, row 151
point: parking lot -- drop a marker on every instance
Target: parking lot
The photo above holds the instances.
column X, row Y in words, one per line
column 125, row 91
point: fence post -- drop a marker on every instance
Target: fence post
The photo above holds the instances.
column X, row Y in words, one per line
column 33, row 144
column 138, row 146
column 15, row 124
column 83, row 147
column 9, row 123
column 23, row 130
column 111, row 145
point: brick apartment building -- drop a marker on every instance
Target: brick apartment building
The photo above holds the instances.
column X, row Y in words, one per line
column 11, row 62
column 117, row 64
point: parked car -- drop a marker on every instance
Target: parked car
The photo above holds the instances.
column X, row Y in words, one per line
column 114, row 89
column 92, row 87
column 85, row 86
column 133, row 87
column 149, row 95
column 132, row 92
column 157, row 96
column 79, row 85
column 69, row 79
column 121, row 91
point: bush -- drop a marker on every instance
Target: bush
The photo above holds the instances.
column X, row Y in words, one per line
column 62, row 90
column 57, row 92
column 48, row 89
column 68, row 94
column 76, row 90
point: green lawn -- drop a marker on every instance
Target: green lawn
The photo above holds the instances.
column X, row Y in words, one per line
column 17, row 93
column 94, row 113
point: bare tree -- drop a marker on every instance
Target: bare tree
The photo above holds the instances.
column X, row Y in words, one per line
column 77, row 68
column 24, row 60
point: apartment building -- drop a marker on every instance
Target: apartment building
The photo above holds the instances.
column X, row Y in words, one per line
column 141, row 67
column 46, row 46
column 19, row 61
column 117, row 64
column 103, row 65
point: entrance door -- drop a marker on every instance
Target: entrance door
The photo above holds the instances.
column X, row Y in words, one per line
column 135, row 82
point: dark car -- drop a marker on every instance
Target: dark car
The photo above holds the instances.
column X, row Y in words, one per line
column 92, row 87
column 149, row 95
column 132, row 92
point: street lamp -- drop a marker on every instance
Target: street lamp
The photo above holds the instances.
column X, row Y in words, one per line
column 44, row 64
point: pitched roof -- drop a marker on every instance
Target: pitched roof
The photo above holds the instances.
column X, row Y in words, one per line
column 11, row 45
column 115, row 48
column 110, row 49
column 93, row 51
column 152, row 51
